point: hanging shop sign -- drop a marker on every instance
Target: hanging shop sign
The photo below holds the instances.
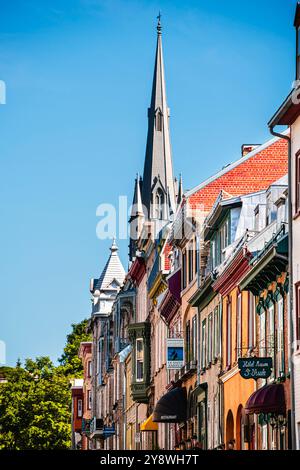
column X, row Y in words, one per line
column 255, row 367
column 175, row 353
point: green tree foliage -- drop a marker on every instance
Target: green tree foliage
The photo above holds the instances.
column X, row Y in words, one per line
column 35, row 399
column 70, row 362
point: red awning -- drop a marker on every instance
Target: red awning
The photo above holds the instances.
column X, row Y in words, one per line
column 268, row 399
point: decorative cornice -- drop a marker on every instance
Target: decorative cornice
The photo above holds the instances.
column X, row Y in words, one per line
column 231, row 276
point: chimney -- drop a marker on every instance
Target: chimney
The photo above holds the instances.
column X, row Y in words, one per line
column 247, row 148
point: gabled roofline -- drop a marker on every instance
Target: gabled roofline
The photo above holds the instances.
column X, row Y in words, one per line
column 233, row 165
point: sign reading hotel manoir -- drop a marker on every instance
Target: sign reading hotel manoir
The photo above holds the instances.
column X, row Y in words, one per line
column 255, row 367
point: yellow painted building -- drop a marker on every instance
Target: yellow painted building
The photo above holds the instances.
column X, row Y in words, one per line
column 238, row 340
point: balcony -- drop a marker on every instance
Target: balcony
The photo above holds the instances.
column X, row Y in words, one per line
column 96, row 427
column 189, row 369
column 99, row 431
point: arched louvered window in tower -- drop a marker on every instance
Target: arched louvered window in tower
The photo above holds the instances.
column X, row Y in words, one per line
column 159, row 204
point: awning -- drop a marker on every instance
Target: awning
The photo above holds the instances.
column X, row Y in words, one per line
column 172, row 407
column 149, row 425
column 268, row 399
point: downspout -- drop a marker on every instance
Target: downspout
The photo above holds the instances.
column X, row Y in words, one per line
column 220, row 383
column 291, row 284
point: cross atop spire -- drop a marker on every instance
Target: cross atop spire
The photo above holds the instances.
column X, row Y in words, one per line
column 158, row 23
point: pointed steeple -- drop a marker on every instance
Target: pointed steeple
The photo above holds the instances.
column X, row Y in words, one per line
column 180, row 190
column 158, row 182
column 137, row 205
column 137, row 218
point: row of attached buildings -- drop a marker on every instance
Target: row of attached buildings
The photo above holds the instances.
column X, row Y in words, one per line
column 196, row 344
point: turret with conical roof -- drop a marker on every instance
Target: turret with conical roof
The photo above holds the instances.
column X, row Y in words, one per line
column 105, row 289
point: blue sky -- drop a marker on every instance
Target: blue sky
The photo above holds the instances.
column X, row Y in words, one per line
column 73, row 132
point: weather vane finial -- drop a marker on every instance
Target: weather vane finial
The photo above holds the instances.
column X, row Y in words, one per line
column 158, row 23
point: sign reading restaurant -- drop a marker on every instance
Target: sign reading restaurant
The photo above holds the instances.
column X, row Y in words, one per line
column 255, row 367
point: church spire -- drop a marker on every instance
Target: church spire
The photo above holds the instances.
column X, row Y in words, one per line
column 136, row 219
column 158, row 193
column 180, row 190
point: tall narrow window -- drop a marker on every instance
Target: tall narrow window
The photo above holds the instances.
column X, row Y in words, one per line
column 139, row 360
column 100, row 360
column 159, row 204
column 159, row 121
column 188, row 342
column 297, row 292
column 264, row 437
column 297, row 182
column 183, row 270
column 216, row 343
column 213, row 254
column 196, row 255
column 256, row 219
column 229, row 333
column 239, row 327
column 224, row 239
column 191, row 261
column 280, row 338
column 89, row 400
column 262, row 334
column 209, row 339
column 79, row 408
column 194, row 338
column 203, row 345
column 89, row 369
column 271, row 336
column 251, row 321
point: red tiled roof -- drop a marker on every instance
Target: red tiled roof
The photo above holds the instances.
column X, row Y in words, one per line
column 253, row 174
